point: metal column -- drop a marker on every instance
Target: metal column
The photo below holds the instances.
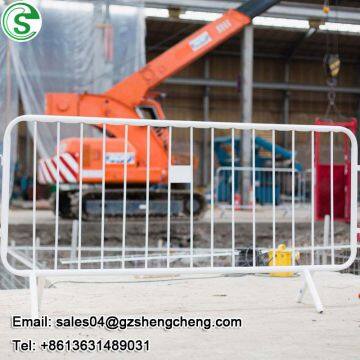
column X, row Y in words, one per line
column 205, row 138
column 286, row 104
column 246, row 100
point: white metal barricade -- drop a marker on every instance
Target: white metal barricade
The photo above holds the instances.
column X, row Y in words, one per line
column 191, row 253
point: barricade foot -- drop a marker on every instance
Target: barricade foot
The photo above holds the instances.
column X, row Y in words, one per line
column 37, row 285
column 309, row 284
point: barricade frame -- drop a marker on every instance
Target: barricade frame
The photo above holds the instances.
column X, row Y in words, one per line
column 37, row 275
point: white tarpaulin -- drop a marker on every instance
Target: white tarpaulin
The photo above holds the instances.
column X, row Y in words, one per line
column 8, row 97
column 82, row 46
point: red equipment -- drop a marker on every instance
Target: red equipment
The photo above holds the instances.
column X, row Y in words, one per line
column 341, row 176
column 132, row 98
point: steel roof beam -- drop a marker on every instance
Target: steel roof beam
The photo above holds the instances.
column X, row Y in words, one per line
column 282, row 86
column 285, row 9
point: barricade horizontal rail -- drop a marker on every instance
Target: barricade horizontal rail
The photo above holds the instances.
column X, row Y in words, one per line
column 126, row 158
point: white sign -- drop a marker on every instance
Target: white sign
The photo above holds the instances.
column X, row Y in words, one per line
column 200, row 41
column 119, row 158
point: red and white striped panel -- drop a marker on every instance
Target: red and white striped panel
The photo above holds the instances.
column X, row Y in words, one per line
column 68, row 169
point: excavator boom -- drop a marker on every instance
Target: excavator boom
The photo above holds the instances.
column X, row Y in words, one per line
column 134, row 88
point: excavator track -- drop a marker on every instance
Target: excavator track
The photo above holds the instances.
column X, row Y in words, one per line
column 135, row 204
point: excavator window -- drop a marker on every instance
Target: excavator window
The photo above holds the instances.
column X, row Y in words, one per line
column 147, row 112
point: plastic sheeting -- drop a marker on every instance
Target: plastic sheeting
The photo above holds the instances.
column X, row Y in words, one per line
column 8, row 97
column 82, row 46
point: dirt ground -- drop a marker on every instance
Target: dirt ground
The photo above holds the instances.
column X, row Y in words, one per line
column 274, row 325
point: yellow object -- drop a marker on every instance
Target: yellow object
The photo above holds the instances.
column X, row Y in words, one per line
column 334, row 67
column 326, row 9
column 282, row 258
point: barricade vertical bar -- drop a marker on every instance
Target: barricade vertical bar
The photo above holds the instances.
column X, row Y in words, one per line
column 262, row 175
column 327, row 225
column 169, row 200
column 34, row 194
column 212, row 201
column 273, row 195
column 147, row 195
column 103, row 195
column 80, row 191
column 124, row 196
column 312, row 197
column 57, row 194
column 253, row 198
column 332, row 195
column 232, row 197
column 293, row 198
column 74, row 240
column 34, row 296
column 192, row 197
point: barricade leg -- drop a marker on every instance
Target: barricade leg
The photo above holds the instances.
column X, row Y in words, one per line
column 37, row 285
column 301, row 291
column 309, row 284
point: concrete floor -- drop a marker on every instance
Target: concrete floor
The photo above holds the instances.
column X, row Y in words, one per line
column 274, row 325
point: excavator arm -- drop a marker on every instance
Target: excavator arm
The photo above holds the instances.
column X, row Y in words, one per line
column 133, row 89
column 125, row 98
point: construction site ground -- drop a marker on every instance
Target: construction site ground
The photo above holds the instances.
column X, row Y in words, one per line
column 275, row 327
column 21, row 229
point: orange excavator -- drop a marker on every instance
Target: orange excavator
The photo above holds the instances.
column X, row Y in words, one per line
column 133, row 98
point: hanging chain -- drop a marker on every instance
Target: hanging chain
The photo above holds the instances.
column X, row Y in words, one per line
column 331, row 95
column 332, row 65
